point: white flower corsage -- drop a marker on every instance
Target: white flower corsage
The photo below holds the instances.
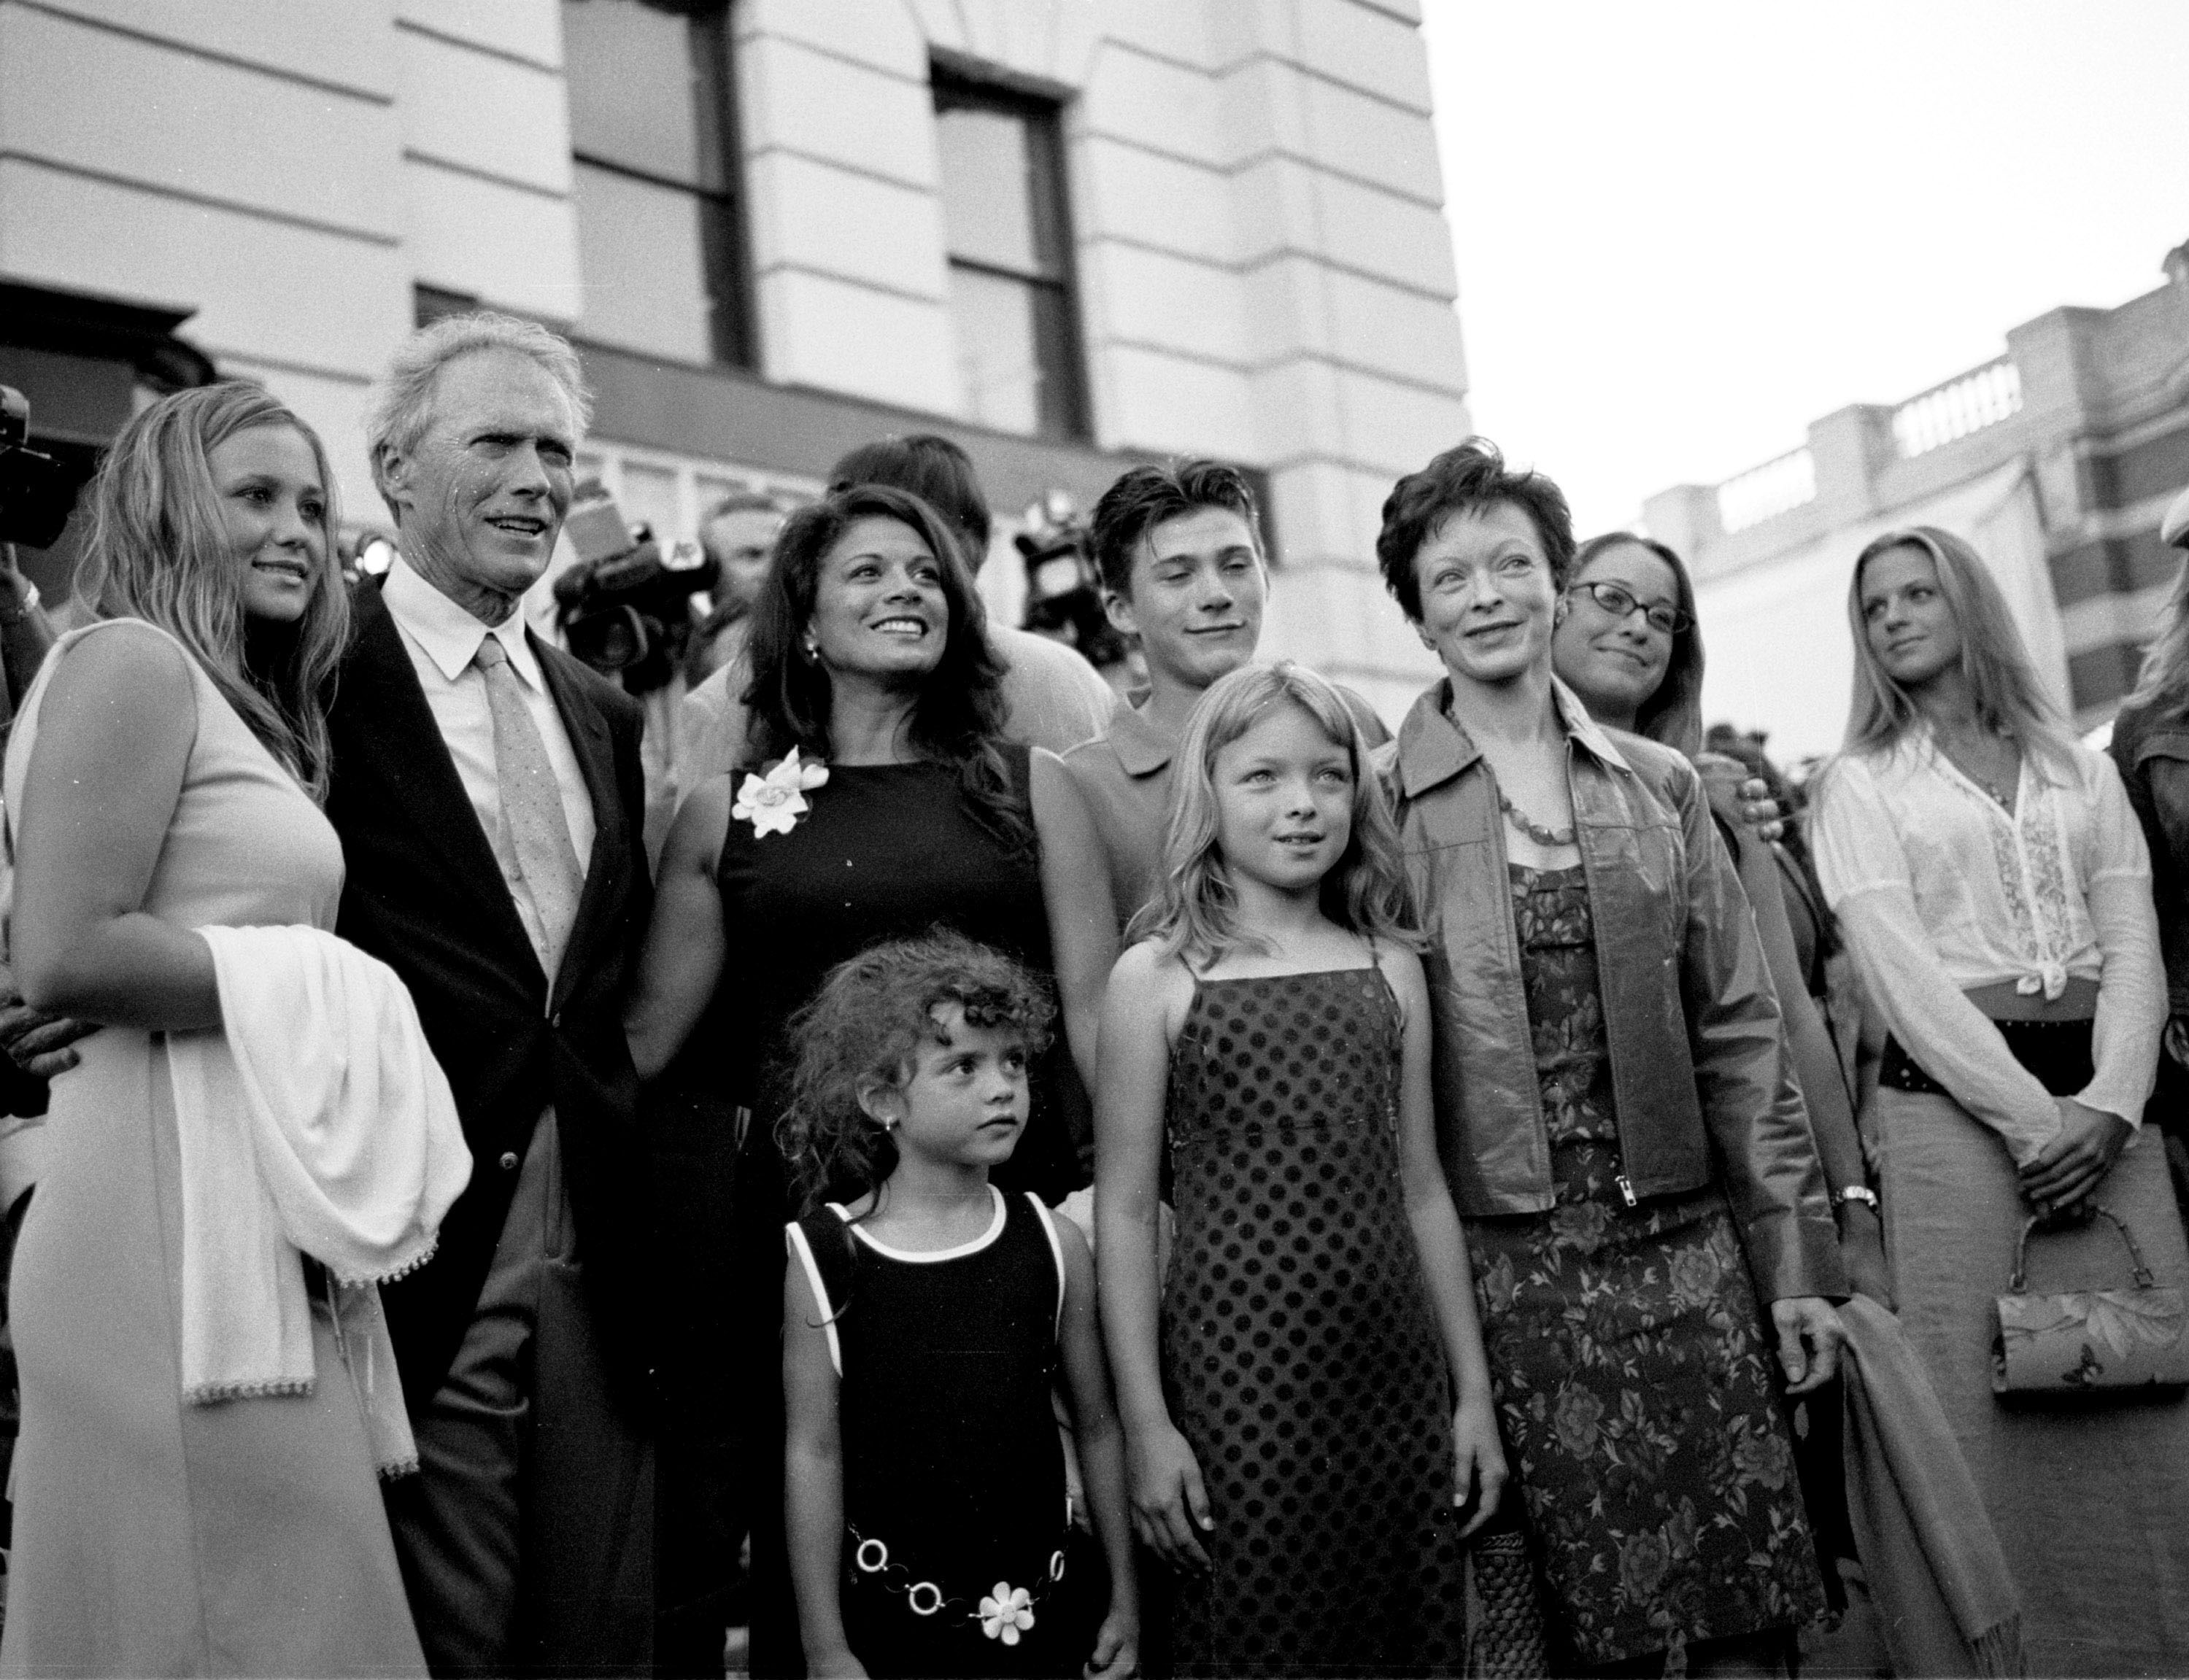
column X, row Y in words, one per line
column 774, row 801
column 1006, row 1612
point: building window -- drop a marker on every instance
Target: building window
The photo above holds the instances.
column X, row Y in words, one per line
column 657, row 177
column 1009, row 237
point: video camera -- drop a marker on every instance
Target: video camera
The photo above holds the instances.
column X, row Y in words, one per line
column 37, row 493
column 1064, row 589
column 626, row 606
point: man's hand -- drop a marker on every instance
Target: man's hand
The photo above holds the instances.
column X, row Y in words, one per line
column 37, row 1043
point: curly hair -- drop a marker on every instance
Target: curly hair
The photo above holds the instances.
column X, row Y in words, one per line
column 959, row 719
column 867, row 1021
column 1194, row 912
column 1471, row 477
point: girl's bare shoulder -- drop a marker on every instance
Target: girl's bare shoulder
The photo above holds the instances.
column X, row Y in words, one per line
column 1150, row 980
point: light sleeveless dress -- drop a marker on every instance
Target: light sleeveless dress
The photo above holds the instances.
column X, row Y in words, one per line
column 152, row 1536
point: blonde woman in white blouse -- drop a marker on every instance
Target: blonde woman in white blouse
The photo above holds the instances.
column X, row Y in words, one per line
column 1993, row 887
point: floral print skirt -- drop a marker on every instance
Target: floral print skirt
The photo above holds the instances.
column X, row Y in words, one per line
column 1634, row 1387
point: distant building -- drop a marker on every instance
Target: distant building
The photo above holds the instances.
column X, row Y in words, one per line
column 2058, row 460
column 1071, row 234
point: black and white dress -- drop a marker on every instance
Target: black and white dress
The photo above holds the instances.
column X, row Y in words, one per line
column 955, row 1512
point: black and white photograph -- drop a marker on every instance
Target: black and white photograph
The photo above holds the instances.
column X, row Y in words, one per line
column 1093, row 839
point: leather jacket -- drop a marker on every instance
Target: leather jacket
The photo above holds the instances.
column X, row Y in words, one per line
column 2150, row 747
column 1700, row 1073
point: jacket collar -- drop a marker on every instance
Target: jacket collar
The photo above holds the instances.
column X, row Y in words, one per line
column 1141, row 747
column 1434, row 749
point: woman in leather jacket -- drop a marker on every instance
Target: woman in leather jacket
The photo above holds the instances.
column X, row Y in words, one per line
column 1614, row 1110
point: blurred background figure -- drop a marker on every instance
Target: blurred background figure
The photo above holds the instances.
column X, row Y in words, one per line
column 738, row 535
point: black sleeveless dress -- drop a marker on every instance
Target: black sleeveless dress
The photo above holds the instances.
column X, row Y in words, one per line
column 886, row 851
column 1300, row 1356
column 955, row 1513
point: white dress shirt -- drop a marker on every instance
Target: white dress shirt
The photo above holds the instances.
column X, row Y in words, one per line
column 1940, row 891
column 442, row 639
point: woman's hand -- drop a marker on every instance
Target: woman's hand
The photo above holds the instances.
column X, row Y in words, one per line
column 1862, row 1251
column 1117, row 1647
column 1810, row 1334
column 1168, row 1501
column 2075, row 1162
column 41, row 1045
column 1479, row 1482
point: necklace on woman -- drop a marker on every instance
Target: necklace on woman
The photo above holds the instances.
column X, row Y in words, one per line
column 1535, row 831
column 1965, row 759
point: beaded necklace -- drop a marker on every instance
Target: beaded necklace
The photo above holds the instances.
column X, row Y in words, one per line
column 1528, row 826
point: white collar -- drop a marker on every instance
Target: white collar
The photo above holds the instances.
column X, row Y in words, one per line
column 451, row 635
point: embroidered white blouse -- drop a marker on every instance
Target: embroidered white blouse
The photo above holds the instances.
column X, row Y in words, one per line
column 1940, row 890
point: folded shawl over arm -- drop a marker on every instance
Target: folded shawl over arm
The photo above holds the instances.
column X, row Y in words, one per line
column 314, row 1122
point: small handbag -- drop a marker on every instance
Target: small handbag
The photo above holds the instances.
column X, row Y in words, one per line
column 1508, row 1637
column 2088, row 1341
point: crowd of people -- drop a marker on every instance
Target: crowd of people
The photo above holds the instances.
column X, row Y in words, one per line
column 1010, row 1179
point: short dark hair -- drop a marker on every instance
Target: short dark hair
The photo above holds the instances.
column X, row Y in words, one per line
column 1146, row 496
column 935, row 469
column 1468, row 479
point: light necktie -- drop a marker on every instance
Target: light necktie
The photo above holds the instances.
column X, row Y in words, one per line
column 532, row 805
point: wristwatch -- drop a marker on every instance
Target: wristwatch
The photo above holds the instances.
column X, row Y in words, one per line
column 1854, row 1192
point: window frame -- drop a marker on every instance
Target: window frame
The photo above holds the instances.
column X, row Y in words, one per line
column 954, row 84
column 727, row 258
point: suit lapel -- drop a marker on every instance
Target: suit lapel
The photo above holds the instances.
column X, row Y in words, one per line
column 588, row 730
column 396, row 731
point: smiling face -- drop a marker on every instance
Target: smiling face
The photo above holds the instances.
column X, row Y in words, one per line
column 965, row 1102
column 1617, row 660
column 878, row 608
column 1195, row 597
column 1907, row 618
column 1284, row 801
column 480, row 496
column 274, row 514
column 1487, row 594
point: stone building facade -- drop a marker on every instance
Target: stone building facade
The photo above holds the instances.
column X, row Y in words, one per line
column 1072, row 234
column 2057, row 460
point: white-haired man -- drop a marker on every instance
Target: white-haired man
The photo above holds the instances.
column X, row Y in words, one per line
column 488, row 798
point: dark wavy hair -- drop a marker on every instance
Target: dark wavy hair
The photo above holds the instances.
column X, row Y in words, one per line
column 958, row 718
column 1674, row 713
column 1471, row 478
column 1146, row 496
column 867, row 1022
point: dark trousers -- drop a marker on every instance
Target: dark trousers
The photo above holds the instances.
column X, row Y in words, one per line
column 526, row 1540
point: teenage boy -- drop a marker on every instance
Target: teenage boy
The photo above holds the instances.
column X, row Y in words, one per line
column 1179, row 549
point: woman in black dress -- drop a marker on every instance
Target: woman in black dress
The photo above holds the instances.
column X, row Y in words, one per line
column 878, row 800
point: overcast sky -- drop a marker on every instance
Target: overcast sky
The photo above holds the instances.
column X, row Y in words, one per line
column 1685, row 229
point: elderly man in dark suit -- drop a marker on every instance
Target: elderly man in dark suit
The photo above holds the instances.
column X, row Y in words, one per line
column 487, row 790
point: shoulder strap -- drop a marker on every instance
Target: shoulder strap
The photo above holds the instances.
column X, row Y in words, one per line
column 1055, row 1252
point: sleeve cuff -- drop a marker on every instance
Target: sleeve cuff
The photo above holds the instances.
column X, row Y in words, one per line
column 1791, row 1254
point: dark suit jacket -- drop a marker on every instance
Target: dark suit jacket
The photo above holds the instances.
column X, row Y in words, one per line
column 425, row 896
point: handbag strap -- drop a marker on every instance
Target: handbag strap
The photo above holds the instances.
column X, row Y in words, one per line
column 2138, row 1269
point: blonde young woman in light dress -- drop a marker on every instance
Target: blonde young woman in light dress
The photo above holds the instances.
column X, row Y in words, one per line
column 165, row 775
column 1995, row 890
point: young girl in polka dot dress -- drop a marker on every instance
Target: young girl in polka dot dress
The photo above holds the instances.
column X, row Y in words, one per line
column 1293, row 1447
column 927, row 1319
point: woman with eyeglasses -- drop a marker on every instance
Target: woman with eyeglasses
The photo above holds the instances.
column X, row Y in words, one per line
column 1995, row 892
column 1628, row 645
column 1630, row 1157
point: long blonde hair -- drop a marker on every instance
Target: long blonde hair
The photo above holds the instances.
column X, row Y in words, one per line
column 1195, row 911
column 157, row 551
column 2003, row 682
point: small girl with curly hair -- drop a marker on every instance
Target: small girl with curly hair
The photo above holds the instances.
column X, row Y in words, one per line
column 1297, row 1451
column 927, row 1318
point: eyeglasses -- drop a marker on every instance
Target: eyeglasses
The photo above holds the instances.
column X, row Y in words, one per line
column 1619, row 604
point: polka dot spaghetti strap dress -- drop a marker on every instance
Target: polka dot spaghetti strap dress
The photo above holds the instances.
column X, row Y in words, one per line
column 1300, row 1355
